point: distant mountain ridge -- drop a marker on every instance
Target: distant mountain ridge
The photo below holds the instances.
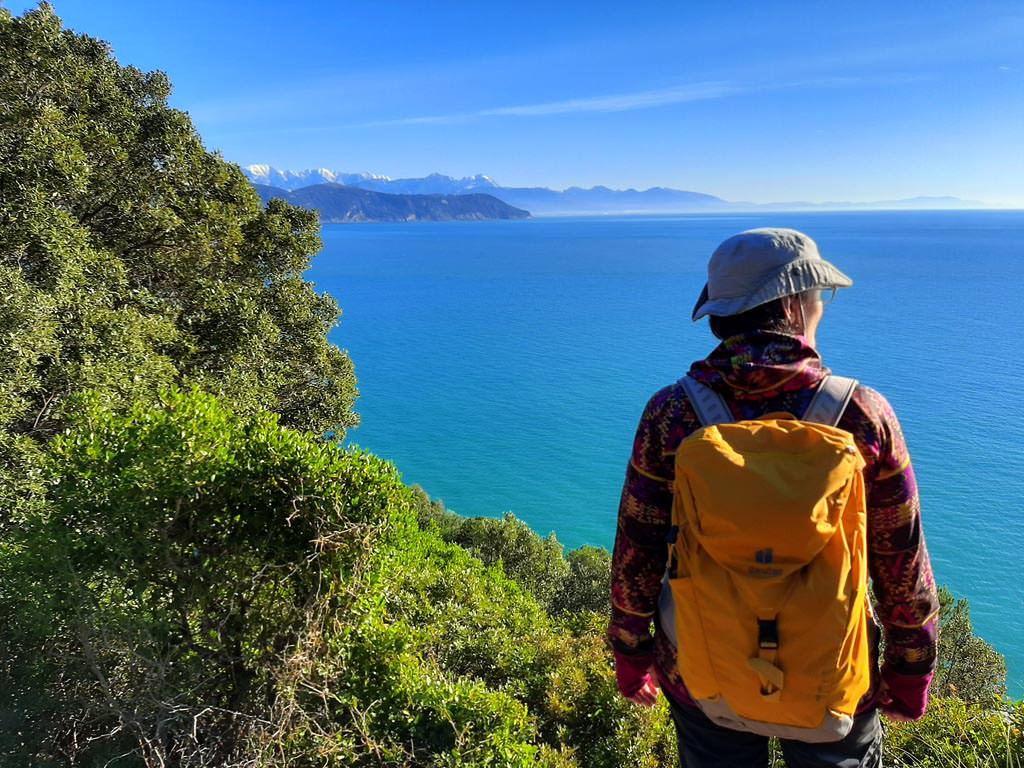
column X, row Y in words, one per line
column 290, row 180
column 434, row 184
column 338, row 203
column 534, row 199
column 574, row 200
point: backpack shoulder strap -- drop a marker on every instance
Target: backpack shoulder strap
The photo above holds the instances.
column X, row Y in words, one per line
column 830, row 400
column 709, row 405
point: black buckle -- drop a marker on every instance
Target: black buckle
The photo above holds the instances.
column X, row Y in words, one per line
column 767, row 634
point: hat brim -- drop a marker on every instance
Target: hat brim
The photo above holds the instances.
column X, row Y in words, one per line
column 806, row 274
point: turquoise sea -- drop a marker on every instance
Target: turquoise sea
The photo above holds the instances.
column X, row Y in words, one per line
column 503, row 365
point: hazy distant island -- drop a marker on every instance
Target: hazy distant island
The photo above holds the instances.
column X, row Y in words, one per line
column 342, row 204
column 536, row 200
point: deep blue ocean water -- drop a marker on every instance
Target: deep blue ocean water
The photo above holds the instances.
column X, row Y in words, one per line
column 503, row 365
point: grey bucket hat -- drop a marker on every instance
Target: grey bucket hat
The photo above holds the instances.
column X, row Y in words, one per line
column 760, row 265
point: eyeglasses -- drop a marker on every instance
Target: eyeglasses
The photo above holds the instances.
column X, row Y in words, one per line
column 827, row 295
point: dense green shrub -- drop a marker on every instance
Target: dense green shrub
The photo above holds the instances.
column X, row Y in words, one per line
column 588, row 584
column 179, row 553
column 564, row 584
column 410, row 669
column 442, row 660
column 535, row 563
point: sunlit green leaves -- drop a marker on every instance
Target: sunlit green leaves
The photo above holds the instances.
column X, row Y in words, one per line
column 181, row 549
column 969, row 668
column 136, row 259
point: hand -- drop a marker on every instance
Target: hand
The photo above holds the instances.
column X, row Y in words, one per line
column 635, row 676
column 887, row 706
column 903, row 698
column 648, row 693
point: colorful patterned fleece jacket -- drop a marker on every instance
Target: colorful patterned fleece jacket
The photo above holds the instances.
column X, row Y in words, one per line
column 757, row 374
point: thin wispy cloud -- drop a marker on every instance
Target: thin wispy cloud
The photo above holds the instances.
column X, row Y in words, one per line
column 627, row 102
column 622, row 102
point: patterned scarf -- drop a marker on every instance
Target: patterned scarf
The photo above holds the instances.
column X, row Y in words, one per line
column 760, row 365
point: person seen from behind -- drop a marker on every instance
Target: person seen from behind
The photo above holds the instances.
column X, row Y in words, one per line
column 761, row 496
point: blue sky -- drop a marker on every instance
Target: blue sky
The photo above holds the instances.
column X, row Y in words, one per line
column 758, row 101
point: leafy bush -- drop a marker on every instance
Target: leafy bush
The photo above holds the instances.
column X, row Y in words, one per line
column 564, row 584
column 441, row 660
column 535, row 563
column 410, row 669
column 588, row 584
column 180, row 551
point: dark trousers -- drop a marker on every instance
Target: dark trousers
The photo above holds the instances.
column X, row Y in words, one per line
column 703, row 744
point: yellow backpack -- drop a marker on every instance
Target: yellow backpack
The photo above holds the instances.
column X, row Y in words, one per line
column 766, row 591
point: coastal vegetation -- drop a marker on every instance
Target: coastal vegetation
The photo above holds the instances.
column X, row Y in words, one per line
column 193, row 571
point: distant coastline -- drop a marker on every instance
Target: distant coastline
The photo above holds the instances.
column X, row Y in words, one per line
column 573, row 201
column 340, row 204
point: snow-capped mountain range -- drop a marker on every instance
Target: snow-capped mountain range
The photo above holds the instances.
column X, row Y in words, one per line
column 534, row 199
column 434, row 184
column 574, row 200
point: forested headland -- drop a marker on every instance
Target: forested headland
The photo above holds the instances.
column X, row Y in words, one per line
column 193, row 571
column 338, row 204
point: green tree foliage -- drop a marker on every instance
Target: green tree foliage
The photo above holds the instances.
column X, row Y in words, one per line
column 131, row 258
column 181, row 551
column 969, row 668
column 563, row 584
column 588, row 585
column 535, row 563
